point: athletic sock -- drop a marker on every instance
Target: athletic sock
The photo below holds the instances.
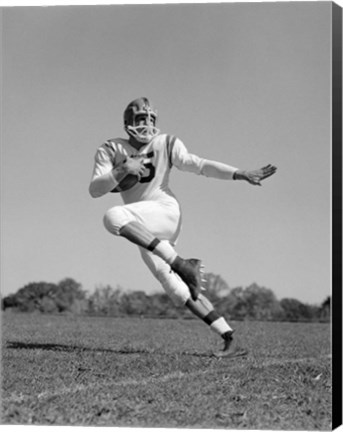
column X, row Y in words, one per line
column 163, row 249
column 220, row 326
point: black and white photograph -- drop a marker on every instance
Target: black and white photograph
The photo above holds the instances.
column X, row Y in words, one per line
column 170, row 190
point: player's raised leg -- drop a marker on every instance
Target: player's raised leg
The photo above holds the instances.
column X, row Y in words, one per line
column 187, row 269
column 120, row 221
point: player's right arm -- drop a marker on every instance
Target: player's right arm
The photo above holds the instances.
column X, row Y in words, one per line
column 107, row 174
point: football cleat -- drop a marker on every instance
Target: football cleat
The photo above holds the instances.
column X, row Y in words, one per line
column 231, row 349
column 202, row 276
column 189, row 272
column 143, row 133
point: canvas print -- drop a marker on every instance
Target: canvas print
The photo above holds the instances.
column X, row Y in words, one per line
column 166, row 216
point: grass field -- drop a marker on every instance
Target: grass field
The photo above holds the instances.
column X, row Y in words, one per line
column 68, row 370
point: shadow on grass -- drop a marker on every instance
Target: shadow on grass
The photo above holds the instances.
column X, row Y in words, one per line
column 53, row 347
column 74, row 348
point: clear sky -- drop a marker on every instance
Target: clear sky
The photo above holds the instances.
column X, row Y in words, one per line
column 242, row 83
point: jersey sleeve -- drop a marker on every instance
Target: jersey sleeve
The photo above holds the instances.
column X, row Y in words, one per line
column 182, row 159
column 102, row 180
column 185, row 161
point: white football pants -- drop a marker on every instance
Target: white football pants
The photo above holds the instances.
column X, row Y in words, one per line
column 163, row 220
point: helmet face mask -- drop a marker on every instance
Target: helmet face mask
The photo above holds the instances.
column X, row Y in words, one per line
column 140, row 119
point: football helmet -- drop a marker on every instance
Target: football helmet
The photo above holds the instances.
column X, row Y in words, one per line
column 143, row 133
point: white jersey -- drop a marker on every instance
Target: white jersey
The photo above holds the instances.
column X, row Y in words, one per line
column 159, row 156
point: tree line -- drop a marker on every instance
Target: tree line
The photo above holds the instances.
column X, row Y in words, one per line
column 249, row 303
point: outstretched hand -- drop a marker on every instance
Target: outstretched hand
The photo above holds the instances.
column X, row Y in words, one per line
column 255, row 177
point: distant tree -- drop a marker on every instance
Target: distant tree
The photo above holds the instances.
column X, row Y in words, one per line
column 48, row 297
column 234, row 304
column 215, row 286
column 160, row 305
column 251, row 303
column 295, row 310
column 291, row 308
column 47, row 305
column 70, row 296
column 30, row 297
column 105, row 301
column 9, row 301
column 135, row 303
column 261, row 303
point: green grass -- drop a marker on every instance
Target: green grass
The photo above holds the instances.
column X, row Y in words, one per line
column 67, row 370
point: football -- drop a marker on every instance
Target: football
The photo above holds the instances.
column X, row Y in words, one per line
column 127, row 183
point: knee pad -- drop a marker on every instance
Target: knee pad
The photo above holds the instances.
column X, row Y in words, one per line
column 115, row 218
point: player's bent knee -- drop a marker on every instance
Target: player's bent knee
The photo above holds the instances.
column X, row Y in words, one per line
column 115, row 218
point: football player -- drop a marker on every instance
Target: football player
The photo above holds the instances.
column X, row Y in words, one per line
column 151, row 214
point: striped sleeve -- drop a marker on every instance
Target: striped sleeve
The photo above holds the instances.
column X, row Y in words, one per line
column 183, row 160
column 170, row 145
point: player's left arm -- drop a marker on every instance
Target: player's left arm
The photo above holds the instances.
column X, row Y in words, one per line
column 209, row 168
column 226, row 172
column 185, row 161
